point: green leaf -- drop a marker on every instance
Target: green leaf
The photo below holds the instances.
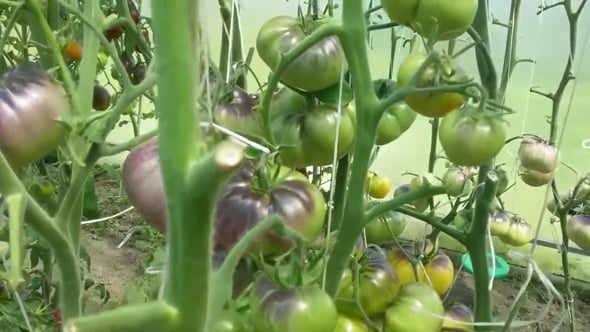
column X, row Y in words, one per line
column 331, row 95
column 384, row 87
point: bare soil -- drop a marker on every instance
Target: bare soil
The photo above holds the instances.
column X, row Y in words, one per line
column 123, row 271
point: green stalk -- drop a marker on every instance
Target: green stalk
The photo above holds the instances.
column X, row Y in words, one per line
column 230, row 27
column 510, row 49
column 340, row 191
column 354, row 45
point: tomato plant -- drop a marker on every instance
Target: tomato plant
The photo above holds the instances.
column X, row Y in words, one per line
column 436, row 104
column 317, row 68
column 306, row 134
column 471, row 139
column 306, row 307
column 440, row 20
column 31, row 108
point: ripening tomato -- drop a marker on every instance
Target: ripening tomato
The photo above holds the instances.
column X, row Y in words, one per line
column 101, row 98
column 73, row 51
column 578, row 230
column 519, row 233
column 457, row 182
column 534, row 178
column 536, row 154
column 435, row 104
column 417, row 308
column 378, row 186
column 458, row 316
column 500, row 223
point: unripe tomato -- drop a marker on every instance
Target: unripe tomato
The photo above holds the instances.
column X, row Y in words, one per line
column 500, row 223
column 458, row 316
column 73, row 51
column 457, row 182
column 350, row 324
column 471, row 139
column 419, row 205
column 418, row 308
column 238, row 113
column 377, row 186
column 519, row 233
column 31, row 105
column 230, row 321
column 386, row 227
column 103, row 60
column 536, row 154
column 434, row 104
column 535, row 178
column 396, row 119
column 305, row 308
column 378, row 284
column 440, row 20
column 317, row 68
column 578, row 230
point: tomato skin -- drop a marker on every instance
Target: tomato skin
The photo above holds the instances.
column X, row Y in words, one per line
column 457, row 182
column 350, row 324
column 578, row 230
column 535, row 154
column 377, row 186
column 468, row 141
column 519, row 233
column 317, row 68
column 30, row 105
column 407, row 313
column 378, row 283
column 307, row 133
column 305, row 308
column 73, row 51
column 534, row 178
column 441, row 20
column 433, row 105
column 458, row 312
column 241, row 206
column 101, row 98
column 238, row 113
column 386, row 227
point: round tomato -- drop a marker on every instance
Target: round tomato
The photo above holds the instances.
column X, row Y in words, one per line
column 306, row 134
column 419, row 205
column 458, row 316
column 534, row 178
column 101, row 98
column 350, row 324
column 418, row 308
column 436, row 104
column 386, row 227
column 230, row 321
column 102, row 59
column 519, row 233
column 73, row 51
column 457, row 182
column 578, row 230
column 378, row 284
column 470, row 138
column 305, row 308
column 536, row 154
column 236, row 112
column 377, row 186
column 31, row 105
column 243, row 204
column 500, row 223
column 502, row 180
column 317, row 68
column 396, row 119
column 440, row 20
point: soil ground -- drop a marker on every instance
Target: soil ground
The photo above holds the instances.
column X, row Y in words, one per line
column 122, row 270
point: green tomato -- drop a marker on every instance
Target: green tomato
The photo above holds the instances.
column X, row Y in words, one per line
column 306, row 133
column 395, row 121
column 578, row 230
column 386, row 227
column 519, row 233
column 457, row 182
column 418, row 308
column 536, row 154
column 378, row 285
column 230, row 321
column 440, row 19
column 469, row 138
column 434, row 104
column 306, row 308
column 350, row 324
column 317, row 68
column 238, row 113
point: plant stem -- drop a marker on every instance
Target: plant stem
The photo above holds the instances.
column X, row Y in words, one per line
column 510, row 49
column 476, row 245
column 433, row 144
column 231, row 51
column 155, row 316
column 340, row 191
column 354, row 45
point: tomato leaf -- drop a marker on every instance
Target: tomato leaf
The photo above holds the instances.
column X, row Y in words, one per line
column 384, row 88
column 331, row 95
column 90, row 208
